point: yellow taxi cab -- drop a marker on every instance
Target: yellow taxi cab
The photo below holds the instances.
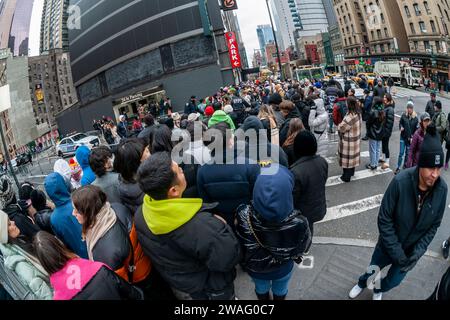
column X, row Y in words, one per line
column 371, row 78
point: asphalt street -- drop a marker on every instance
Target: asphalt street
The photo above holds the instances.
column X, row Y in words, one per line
column 352, row 207
column 355, row 205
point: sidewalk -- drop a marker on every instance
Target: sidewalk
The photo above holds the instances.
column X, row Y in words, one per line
column 337, row 269
column 439, row 94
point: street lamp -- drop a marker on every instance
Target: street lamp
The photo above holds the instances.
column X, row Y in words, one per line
column 275, row 39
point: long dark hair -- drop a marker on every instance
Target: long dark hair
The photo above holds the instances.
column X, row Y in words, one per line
column 52, row 254
column 352, row 105
column 128, row 158
column 161, row 139
column 88, row 201
column 295, row 126
column 378, row 105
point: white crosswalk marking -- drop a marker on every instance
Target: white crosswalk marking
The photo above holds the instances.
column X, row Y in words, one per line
column 359, row 175
column 353, row 208
column 399, row 92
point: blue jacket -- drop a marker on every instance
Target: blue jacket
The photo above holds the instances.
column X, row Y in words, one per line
column 64, row 224
column 228, row 184
column 82, row 156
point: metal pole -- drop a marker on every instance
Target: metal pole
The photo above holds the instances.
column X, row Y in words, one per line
column 276, row 42
column 8, row 158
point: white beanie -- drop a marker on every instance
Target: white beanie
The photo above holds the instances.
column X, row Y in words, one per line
column 3, row 227
column 228, row 109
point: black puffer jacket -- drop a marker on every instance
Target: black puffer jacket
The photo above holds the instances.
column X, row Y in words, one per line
column 131, row 195
column 284, row 242
column 375, row 127
column 410, row 124
column 198, row 258
column 106, row 285
column 22, row 221
column 114, row 247
column 389, row 123
column 42, row 219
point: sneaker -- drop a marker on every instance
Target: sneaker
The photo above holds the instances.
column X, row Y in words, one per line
column 355, row 292
column 396, row 172
column 365, row 138
column 445, row 249
column 377, row 296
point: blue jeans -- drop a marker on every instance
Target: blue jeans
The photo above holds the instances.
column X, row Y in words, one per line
column 393, row 278
column 403, row 155
column 375, row 152
column 279, row 287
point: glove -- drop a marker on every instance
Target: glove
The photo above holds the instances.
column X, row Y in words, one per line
column 410, row 264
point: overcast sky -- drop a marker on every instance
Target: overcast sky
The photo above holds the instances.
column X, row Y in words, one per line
column 251, row 13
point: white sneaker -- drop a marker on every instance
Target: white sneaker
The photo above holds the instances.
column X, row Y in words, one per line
column 355, row 292
column 377, row 296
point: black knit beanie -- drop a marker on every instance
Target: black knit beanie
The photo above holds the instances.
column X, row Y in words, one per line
column 431, row 153
column 305, row 144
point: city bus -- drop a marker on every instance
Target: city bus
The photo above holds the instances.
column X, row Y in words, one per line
column 309, row 73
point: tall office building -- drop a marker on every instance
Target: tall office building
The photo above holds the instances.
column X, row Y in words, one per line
column 313, row 17
column 7, row 8
column 20, row 27
column 286, row 19
column 54, row 32
column 329, row 11
column 265, row 36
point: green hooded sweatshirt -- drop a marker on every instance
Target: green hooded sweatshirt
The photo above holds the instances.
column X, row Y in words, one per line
column 165, row 216
column 221, row 116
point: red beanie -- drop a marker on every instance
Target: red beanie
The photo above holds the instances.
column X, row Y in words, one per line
column 209, row 111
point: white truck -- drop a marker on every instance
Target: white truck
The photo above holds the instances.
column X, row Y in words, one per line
column 401, row 72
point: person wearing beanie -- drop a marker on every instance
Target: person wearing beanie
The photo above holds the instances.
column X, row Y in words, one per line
column 209, row 111
column 410, row 214
column 274, row 101
column 311, row 174
column 273, row 235
column 9, row 204
column 440, row 120
column 408, row 125
column 262, row 150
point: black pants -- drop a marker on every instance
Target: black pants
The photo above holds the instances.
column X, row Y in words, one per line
column 447, row 157
column 348, row 174
column 385, row 147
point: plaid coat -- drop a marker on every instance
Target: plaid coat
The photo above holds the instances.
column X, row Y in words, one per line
column 350, row 141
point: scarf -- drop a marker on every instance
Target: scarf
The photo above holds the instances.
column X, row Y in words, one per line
column 105, row 220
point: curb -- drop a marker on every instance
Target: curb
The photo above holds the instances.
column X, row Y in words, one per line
column 360, row 243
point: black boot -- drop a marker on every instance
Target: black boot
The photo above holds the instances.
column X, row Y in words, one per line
column 263, row 297
column 278, row 298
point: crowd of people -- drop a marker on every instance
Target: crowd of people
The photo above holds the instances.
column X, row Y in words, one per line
column 140, row 225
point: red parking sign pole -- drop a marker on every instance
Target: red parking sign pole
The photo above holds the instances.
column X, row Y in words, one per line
column 233, row 50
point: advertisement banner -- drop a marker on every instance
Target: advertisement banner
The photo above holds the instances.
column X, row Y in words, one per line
column 233, row 50
column 39, row 93
column 227, row 5
column 5, row 98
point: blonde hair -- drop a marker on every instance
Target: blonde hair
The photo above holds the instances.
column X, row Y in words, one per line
column 266, row 112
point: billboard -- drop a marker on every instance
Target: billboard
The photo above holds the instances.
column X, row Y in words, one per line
column 227, row 5
column 39, row 93
column 233, row 50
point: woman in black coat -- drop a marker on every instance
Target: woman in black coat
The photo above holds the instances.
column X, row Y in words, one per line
column 96, row 280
